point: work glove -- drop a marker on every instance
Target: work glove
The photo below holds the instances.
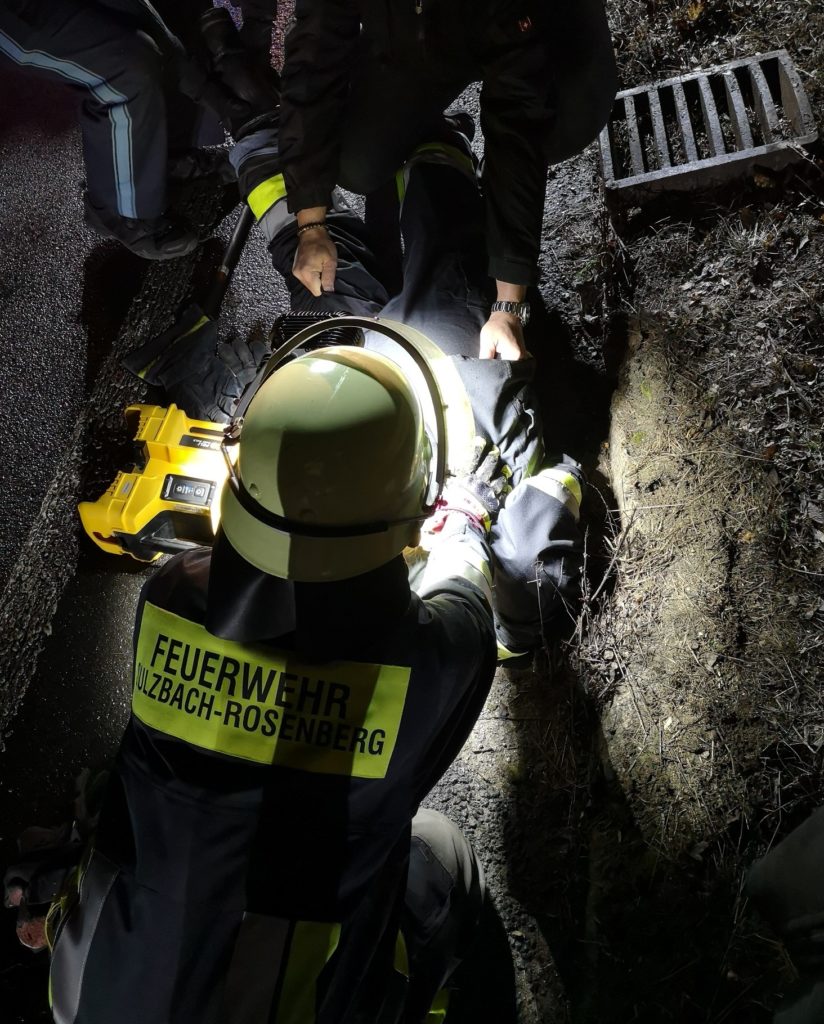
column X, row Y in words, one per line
column 479, row 495
column 201, row 375
column 47, row 858
column 213, row 391
column 244, row 94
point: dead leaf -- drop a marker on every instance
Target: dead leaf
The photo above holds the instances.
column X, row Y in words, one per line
column 812, row 511
column 805, row 241
column 746, row 537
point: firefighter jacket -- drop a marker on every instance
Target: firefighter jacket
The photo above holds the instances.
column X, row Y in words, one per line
column 452, row 43
column 251, row 858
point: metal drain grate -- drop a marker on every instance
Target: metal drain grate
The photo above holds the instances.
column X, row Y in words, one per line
column 706, row 127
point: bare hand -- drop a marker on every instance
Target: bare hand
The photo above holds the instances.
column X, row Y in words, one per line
column 502, row 335
column 316, row 260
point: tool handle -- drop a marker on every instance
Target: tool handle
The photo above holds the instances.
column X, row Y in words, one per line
column 213, row 299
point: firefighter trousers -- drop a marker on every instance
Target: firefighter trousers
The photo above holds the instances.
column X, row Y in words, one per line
column 121, row 59
column 442, row 907
column 446, row 294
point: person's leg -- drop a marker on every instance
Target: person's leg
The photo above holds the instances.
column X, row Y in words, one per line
column 118, row 72
column 536, row 542
column 443, row 905
column 446, row 291
column 538, row 551
column 785, row 887
column 256, row 31
column 177, row 31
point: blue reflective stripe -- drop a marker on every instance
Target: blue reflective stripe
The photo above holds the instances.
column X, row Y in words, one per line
column 103, row 92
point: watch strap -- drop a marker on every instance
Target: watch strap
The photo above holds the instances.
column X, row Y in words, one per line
column 519, row 309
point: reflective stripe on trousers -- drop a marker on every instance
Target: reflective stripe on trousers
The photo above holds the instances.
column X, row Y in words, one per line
column 108, row 97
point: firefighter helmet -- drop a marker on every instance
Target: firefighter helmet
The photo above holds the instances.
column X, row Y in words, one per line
column 333, row 468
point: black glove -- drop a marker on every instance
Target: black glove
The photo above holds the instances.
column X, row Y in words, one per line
column 244, row 95
column 48, row 856
column 204, row 377
column 479, row 495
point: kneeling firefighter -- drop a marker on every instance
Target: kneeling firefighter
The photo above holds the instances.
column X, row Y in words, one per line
column 260, row 853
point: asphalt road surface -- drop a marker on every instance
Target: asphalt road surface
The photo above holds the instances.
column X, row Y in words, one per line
column 71, row 305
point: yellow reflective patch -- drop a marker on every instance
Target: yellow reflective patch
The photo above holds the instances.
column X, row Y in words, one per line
column 573, row 485
column 559, row 483
column 537, row 459
column 264, row 196
column 439, row 1008
column 265, row 705
column 445, row 562
column 434, row 152
column 400, row 184
column 312, row 945
column 401, row 955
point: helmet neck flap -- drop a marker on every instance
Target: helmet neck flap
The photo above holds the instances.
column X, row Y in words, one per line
column 247, row 605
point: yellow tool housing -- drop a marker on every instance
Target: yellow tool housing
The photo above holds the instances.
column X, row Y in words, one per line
column 164, row 504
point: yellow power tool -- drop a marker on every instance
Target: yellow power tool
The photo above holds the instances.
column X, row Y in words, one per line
column 164, row 504
column 169, row 501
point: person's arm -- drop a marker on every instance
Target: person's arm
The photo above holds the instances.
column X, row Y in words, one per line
column 316, row 256
column 459, row 563
column 503, row 333
column 320, row 49
column 456, row 588
column 516, row 116
column 457, row 535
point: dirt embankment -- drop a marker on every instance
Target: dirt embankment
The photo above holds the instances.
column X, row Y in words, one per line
column 702, row 655
column 709, row 627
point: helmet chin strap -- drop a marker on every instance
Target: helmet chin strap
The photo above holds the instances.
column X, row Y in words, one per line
column 301, row 528
column 234, row 430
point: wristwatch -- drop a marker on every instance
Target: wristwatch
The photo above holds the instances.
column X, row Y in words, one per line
column 520, row 309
